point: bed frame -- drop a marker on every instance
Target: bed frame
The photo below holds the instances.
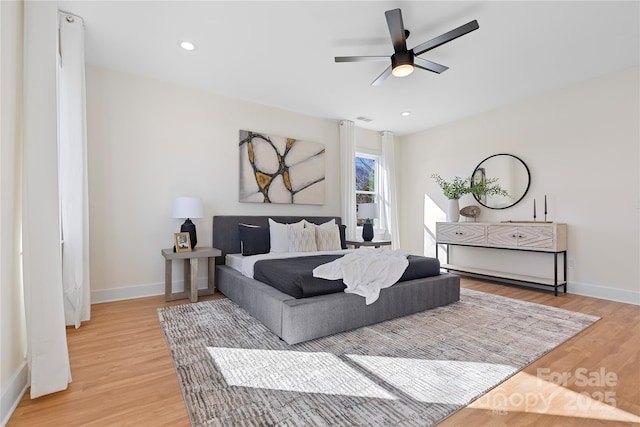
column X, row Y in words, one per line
column 297, row 320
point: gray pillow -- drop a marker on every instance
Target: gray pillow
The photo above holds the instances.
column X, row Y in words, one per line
column 343, row 234
column 254, row 240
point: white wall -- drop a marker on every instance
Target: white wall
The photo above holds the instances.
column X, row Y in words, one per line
column 151, row 141
column 13, row 372
column 581, row 144
column 368, row 141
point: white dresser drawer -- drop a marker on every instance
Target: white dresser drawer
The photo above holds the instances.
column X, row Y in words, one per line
column 460, row 233
column 535, row 237
column 502, row 235
column 540, row 237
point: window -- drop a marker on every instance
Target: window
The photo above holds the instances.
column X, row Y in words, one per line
column 367, row 175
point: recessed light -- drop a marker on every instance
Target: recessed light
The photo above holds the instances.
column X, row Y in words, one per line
column 187, row 45
column 405, row 113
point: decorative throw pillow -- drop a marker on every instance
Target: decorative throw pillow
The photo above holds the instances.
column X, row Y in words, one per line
column 253, row 239
column 308, row 224
column 342, row 228
column 328, row 238
column 302, row 240
column 343, row 236
column 279, row 235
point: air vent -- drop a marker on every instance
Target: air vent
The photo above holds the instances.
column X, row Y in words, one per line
column 364, row 119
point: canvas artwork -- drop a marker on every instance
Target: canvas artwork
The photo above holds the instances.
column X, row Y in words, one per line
column 275, row 169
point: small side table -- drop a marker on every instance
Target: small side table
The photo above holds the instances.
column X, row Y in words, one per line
column 376, row 244
column 190, row 272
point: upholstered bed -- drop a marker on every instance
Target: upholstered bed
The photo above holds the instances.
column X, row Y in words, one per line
column 297, row 320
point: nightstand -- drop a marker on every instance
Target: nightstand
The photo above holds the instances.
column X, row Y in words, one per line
column 190, row 272
column 375, row 243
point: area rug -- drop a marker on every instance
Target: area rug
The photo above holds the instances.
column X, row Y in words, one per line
column 415, row 370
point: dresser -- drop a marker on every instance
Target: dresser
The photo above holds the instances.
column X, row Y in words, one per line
column 516, row 236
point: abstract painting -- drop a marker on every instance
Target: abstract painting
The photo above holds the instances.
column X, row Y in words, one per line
column 275, row 169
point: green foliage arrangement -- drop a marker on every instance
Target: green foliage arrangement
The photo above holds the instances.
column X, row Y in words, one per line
column 487, row 187
column 459, row 187
column 454, row 189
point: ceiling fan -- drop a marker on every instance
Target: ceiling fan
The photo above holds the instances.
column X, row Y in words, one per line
column 403, row 61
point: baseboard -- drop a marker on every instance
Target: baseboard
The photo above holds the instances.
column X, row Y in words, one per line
column 13, row 392
column 594, row 291
column 139, row 291
column 611, row 294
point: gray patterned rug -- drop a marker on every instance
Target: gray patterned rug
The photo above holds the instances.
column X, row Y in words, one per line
column 416, row 370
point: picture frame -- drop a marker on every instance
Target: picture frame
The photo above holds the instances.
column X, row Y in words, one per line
column 299, row 164
column 182, row 242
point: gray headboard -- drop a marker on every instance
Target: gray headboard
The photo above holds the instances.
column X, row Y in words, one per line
column 226, row 237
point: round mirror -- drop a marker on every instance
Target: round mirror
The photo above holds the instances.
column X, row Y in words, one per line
column 512, row 175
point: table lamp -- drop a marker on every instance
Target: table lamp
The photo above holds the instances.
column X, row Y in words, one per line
column 367, row 211
column 188, row 207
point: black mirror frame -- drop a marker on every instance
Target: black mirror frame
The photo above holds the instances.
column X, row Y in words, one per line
column 525, row 191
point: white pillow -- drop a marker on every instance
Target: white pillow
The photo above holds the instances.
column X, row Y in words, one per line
column 279, row 235
column 328, row 238
column 308, row 224
column 302, row 240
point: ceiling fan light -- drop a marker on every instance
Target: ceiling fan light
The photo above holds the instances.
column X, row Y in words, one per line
column 402, row 70
column 402, row 63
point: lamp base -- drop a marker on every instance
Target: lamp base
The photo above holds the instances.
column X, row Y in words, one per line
column 367, row 231
column 190, row 227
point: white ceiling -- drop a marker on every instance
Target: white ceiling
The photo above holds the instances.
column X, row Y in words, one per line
column 281, row 53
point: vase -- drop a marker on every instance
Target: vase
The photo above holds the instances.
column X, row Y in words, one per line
column 453, row 211
column 367, row 231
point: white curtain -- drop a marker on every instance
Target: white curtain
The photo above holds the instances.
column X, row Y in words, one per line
column 74, row 203
column 47, row 353
column 348, row 169
column 389, row 190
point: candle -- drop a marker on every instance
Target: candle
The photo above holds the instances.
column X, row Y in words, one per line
column 534, row 209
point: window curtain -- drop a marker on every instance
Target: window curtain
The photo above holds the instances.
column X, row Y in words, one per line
column 348, row 169
column 47, row 353
column 389, row 190
column 74, row 203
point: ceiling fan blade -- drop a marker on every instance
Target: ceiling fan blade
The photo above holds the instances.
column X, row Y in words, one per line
column 382, row 77
column 360, row 58
column 429, row 66
column 446, row 37
column 396, row 30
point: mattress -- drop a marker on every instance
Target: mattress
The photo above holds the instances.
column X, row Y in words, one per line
column 244, row 264
column 294, row 276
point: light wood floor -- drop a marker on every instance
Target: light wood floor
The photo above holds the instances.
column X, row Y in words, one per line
column 123, row 373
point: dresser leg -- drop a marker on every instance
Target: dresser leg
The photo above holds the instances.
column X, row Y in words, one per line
column 555, row 274
column 566, row 281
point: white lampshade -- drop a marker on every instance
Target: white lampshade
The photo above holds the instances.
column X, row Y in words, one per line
column 187, row 207
column 367, row 210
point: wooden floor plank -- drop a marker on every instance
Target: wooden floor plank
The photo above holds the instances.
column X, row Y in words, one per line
column 123, row 374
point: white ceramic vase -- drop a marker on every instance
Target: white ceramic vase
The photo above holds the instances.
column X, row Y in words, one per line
column 453, row 210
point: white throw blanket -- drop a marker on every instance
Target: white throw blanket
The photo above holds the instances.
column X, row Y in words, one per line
column 365, row 272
